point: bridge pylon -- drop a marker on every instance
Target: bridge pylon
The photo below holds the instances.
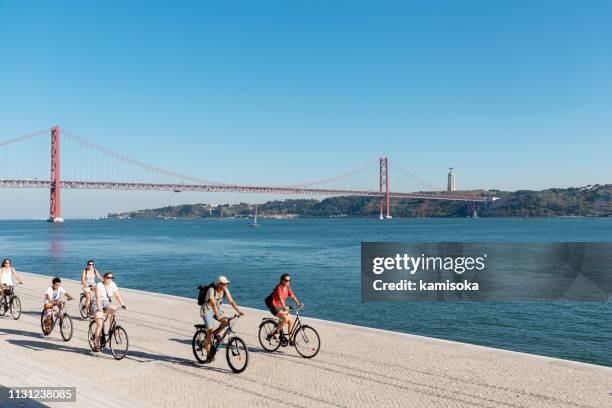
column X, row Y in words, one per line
column 385, row 201
column 54, row 200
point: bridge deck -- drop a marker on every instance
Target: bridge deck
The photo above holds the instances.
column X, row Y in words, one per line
column 227, row 188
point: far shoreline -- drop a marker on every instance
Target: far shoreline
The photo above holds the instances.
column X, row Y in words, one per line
column 308, row 218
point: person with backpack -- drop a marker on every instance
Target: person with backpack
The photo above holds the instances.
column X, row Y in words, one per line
column 276, row 303
column 211, row 308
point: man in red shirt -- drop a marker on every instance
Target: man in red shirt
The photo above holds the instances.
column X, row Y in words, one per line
column 279, row 307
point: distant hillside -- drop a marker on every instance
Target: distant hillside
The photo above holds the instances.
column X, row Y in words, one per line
column 586, row 201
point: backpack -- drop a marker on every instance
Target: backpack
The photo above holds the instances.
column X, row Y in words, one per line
column 203, row 291
column 269, row 299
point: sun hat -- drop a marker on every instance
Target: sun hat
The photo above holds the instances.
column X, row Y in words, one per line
column 222, row 279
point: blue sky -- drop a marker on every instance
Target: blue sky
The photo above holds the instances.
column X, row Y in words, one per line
column 512, row 94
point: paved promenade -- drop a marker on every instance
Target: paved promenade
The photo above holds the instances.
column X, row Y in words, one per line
column 356, row 367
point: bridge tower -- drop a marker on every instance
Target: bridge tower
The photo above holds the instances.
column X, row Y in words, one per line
column 385, row 200
column 54, row 202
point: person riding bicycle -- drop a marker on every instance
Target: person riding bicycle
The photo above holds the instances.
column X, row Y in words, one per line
column 53, row 296
column 88, row 280
column 56, row 292
column 104, row 292
column 279, row 308
column 8, row 276
column 211, row 310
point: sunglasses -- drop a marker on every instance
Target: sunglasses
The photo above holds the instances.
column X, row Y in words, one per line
column 90, row 264
column 287, row 280
column 109, row 277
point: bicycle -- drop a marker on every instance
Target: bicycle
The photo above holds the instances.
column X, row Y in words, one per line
column 237, row 353
column 49, row 318
column 116, row 338
column 10, row 302
column 304, row 338
column 84, row 306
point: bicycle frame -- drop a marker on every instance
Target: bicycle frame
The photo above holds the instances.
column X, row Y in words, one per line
column 296, row 325
column 56, row 314
column 7, row 296
column 84, row 295
column 105, row 336
column 228, row 330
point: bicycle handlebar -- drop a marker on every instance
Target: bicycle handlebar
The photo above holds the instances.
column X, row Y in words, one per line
column 105, row 309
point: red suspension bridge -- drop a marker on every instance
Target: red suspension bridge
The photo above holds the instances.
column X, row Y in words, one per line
column 88, row 163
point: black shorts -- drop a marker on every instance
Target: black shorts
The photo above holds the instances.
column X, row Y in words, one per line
column 275, row 310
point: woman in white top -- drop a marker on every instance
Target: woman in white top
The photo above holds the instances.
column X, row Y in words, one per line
column 104, row 293
column 7, row 274
column 88, row 280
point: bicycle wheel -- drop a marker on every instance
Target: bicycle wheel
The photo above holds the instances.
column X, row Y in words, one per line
column 307, row 342
column 83, row 307
column 119, row 343
column 265, row 329
column 15, row 308
column 2, row 307
column 237, row 354
column 91, row 336
column 198, row 346
column 46, row 322
column 66, row 327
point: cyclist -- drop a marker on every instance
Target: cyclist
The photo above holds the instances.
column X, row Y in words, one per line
column 88, row 280
column 211, row 310
column 104, row 292
column 53, row 296
column 7, row 274
column 55, row 292
column 278, row 306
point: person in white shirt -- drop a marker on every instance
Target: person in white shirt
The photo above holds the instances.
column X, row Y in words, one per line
column 88, row 280
column 8, row 276
column 104, row 293
column 55, row 293
column 53, row 296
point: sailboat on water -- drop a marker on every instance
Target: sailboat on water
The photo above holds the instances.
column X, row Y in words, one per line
column 254, row 224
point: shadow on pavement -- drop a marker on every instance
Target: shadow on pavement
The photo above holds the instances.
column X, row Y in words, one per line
column 134, row 355
column 182, row 341
column 31, row 313
column 222, row 347
column 36, row 335
column 46, row 345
